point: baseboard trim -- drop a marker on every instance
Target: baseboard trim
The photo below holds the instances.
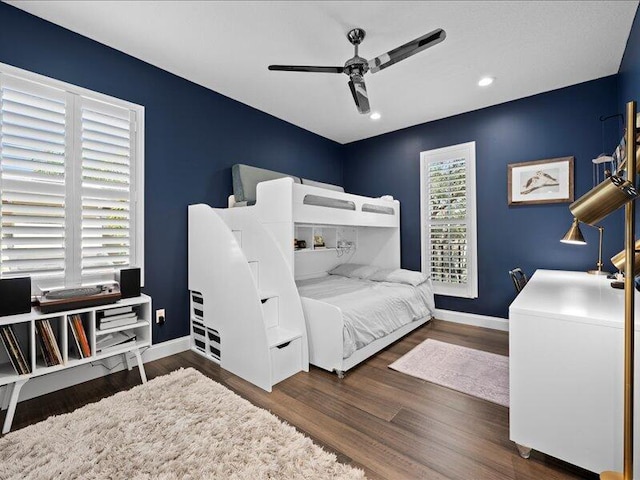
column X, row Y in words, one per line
column 166, row 349
column 485, row 321
column 83, row 373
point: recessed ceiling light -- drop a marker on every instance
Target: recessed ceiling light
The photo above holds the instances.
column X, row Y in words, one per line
column 375, row 116
column 485, row 81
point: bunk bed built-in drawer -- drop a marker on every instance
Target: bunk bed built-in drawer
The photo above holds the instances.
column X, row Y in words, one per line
column 200, row 344
column 205, row 339
column 197, row 307
column 213, row 342
column 198, row 330
column 286, row 360
column 199, row 339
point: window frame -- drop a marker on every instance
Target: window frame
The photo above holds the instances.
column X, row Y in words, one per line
column 73, row 93
column 468, row 152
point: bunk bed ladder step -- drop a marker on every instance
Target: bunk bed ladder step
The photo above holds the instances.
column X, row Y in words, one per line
column 238, row 235
column 254, row 266
column 270, row 312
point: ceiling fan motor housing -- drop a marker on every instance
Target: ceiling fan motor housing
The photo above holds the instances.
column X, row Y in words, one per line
column 356, row 65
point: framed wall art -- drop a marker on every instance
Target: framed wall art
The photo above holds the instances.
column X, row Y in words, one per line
column 540, row 181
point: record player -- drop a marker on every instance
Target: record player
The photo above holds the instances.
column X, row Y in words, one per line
column 74, row 298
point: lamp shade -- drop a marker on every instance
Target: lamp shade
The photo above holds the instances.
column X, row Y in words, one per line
column 574, row 235
column 619, row 258
column 605, row 198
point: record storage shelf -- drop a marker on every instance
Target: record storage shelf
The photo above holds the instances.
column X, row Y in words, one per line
column 25, row 331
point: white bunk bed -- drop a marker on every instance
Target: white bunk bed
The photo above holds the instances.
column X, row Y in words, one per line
column 235, row 254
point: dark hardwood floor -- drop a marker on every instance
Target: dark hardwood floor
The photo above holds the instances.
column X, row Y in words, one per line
column 391, row 425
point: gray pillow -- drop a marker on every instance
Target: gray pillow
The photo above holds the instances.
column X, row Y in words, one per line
column 346, row 269
column 364, row 272
column 354, row 270
column 400, row 275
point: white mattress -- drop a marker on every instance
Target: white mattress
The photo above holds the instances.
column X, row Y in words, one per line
column 370, row 310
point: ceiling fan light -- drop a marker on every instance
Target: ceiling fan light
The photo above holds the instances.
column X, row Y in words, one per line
column 375, row 116
column 485, row 81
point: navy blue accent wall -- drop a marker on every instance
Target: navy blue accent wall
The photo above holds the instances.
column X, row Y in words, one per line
column 560, row 123
column 193, row 136
column 629, row 72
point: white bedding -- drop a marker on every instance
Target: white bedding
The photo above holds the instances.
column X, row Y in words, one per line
column 370, row 309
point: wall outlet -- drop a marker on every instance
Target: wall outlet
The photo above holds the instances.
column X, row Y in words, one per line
column 160, row 316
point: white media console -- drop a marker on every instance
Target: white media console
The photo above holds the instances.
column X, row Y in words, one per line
column 24, row 326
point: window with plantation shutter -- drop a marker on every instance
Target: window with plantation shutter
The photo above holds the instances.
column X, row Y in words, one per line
column 71, row 166
column 107, row 189
column 449, row 219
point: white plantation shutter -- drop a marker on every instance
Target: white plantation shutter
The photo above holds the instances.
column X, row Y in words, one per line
column 71, row 170
column 448, row 219
column 107, row 136
column 33, row 181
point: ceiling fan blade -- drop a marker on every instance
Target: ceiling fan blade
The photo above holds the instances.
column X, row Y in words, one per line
column 411, row 48
column 359, row 92
column 306, row 68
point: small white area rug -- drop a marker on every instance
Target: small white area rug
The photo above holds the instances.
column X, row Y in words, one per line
column 481, row 374
column 179, row 426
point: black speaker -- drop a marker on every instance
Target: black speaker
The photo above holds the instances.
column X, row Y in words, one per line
column 15, row 296
column 129, row 280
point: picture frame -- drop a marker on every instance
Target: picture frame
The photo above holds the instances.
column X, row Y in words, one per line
column 540, row 181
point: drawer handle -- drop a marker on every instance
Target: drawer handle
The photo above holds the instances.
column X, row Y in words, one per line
column 283, row 345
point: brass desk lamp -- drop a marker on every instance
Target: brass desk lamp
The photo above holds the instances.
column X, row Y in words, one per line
column 574, row 236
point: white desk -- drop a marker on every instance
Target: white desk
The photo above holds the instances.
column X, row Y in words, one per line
column 566, row 369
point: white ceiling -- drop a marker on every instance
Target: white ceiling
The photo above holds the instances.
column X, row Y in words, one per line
column 528, row 46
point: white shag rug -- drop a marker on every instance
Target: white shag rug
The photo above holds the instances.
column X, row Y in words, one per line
column 481, row 374
column 179, row 426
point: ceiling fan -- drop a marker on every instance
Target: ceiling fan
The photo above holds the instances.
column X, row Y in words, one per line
column 357, row 66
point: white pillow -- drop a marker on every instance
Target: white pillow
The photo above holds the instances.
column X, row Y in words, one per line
column 400, row 275
column 382, row 274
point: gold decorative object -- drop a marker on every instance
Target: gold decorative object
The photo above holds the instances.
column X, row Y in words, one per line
column 618, row 259
column 574, row 236
column 600, row 201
